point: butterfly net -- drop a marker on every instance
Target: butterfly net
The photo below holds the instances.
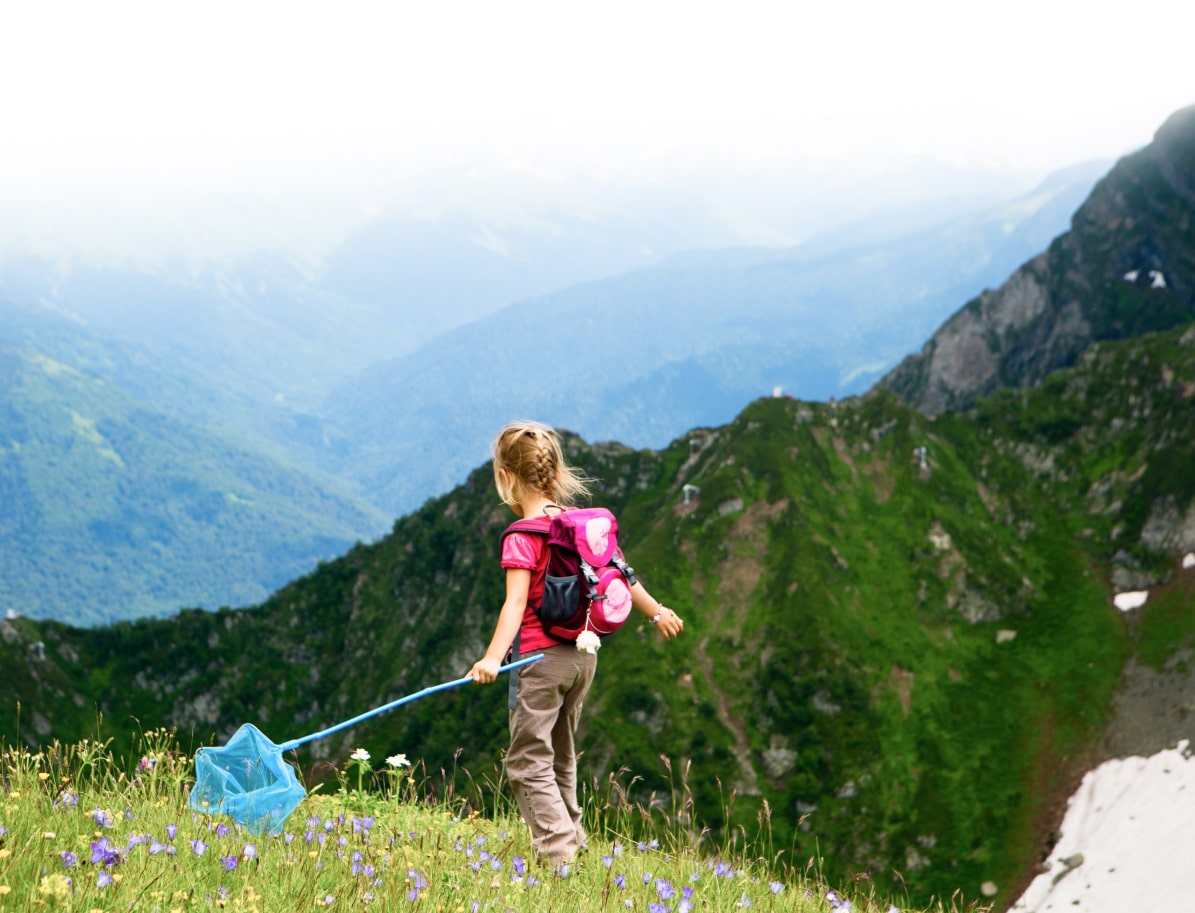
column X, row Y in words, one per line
column 248, row 780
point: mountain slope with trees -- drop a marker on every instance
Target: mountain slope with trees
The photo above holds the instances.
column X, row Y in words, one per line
column 111, row 508
column 911, row 664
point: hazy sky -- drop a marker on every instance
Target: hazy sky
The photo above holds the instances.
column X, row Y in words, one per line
column 247, row 115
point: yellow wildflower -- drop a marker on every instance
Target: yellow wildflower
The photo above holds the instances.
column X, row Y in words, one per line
column 56, row 887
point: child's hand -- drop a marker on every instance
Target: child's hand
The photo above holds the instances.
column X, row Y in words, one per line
column 485, row 670
column 670, row 624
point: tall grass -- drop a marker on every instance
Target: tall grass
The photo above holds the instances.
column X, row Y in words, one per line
column 85, row 828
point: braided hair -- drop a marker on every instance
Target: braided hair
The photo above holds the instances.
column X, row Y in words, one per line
column 530, row 452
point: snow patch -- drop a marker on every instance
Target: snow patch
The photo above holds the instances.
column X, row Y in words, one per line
column 1157, row 279
column 1128, row 601
column 1125, row 840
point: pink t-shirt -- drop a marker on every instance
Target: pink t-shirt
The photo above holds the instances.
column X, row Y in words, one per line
column 530, row 552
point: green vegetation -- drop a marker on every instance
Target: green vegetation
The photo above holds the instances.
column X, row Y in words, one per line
column 901, row 668
column 84, row 829
column 161, row 513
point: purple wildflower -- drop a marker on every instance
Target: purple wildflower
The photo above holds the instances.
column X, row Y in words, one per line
column 657, row 908
column 103, row 879
column 171, row 831
column 103, row 853
column 620, row 881
column 223, row 830
column 229, row 862
column 520, row 865
column 68, row 858
column 198, row 847
column 664, row 889
column 607, row 861
column 102, row 818
column 155, row 847
column 250, row 851
column 744, row 901
column 775, row 887
column 417, row 882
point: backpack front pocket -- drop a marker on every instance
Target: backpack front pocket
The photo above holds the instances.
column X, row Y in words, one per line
column 562, row 600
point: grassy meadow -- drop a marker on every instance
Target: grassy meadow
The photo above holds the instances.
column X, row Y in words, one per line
column 90, row 828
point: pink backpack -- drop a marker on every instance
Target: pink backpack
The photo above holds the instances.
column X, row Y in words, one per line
column 588, row 584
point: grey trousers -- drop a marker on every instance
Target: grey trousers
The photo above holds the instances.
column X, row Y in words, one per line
column 541, row 763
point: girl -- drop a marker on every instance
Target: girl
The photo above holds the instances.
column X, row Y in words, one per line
column 534, row 481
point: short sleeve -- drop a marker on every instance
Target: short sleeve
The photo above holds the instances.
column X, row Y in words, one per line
column 520, row 550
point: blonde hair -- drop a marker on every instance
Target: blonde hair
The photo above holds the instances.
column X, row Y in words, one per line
column 530, row 452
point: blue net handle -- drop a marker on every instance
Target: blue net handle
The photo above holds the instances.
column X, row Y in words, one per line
column 295, row 743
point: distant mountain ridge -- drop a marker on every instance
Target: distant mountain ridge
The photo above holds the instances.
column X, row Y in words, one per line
column 642, row 356
column 1126, row 267
column 232, row 358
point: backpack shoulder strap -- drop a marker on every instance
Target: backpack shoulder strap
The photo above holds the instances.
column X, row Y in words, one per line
column 535, row 525
column 538, row 525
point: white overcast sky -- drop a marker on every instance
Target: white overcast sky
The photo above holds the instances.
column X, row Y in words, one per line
column 162, row 104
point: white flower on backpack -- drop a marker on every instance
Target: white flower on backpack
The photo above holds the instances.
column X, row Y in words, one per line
column 597, row 534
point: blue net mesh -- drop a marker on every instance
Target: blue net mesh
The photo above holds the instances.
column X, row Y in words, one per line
column 248, row 781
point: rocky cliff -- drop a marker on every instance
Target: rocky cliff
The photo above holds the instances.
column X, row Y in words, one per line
column 1126, row 267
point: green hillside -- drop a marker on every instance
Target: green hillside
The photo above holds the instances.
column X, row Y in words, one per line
column 111, row 508
column 911, row 666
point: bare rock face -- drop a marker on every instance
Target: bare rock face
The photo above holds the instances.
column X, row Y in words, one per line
column 1126, row 267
